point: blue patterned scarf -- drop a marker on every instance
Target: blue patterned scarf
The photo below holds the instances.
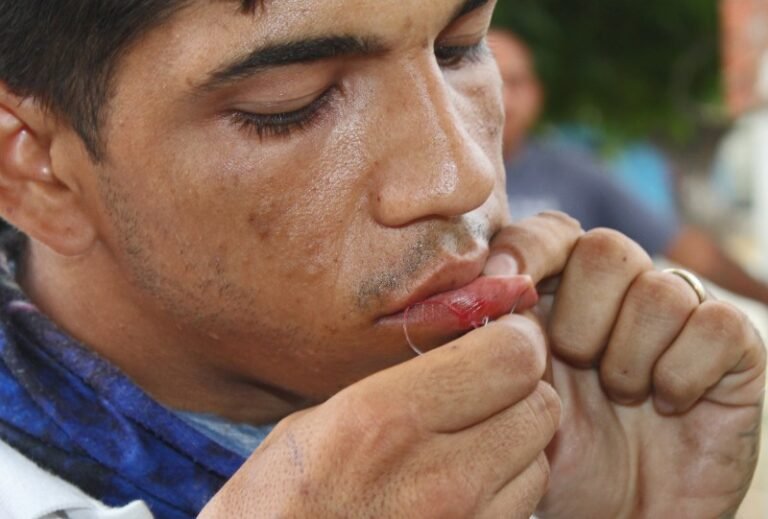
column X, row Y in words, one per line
column 79, row 417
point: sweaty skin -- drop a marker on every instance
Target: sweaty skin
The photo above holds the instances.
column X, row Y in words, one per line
column 251, row 226
column 285, row 249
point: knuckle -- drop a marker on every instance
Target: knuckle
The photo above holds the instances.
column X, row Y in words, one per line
column 759, row 345
column 664, row 295
column 571, row 344
column 760, row 353
column 669, row 382
column 552, row 235
column 372, row 419
column 545, row 406
column 605, row 247
column 285, row 424
column 755, row 355
column 515, row 239
column 623, row 381
column 451, row 494
column 519, row 232
column 723, row 322
column 290, row 422
column 561, row 218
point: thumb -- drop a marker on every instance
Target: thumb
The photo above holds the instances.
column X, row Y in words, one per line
column 538, row 246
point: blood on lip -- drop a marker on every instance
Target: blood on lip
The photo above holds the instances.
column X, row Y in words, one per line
column 469, row 313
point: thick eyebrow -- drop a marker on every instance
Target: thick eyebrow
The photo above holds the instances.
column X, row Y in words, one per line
column 290, row 53
column 468, row 7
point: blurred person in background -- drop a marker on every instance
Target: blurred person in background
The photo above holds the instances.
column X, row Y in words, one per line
column 545, row 175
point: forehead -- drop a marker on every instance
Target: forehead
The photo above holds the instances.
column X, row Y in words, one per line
column 275, row 19
column 158, row 73
column 209, row 32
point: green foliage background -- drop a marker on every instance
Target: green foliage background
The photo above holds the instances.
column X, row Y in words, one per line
column 632, row 67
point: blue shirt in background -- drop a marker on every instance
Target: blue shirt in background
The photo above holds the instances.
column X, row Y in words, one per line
column 545, row 176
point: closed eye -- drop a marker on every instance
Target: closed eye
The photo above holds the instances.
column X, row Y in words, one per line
column 456, row 56
column 284, row 123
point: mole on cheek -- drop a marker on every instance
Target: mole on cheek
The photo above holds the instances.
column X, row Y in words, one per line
column 260, row 225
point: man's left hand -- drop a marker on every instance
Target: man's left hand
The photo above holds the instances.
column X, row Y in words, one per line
column 662, row 393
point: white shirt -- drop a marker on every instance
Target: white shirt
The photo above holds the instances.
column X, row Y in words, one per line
column 29, row 492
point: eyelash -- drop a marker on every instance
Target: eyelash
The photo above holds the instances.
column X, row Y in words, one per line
column 264, row 126
column 456, row 56
column 283, row 124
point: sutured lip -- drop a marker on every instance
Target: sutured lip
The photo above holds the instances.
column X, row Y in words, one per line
column 452, row 275
column 485, row 298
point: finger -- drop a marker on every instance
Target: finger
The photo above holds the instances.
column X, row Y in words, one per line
column 653, row 314
column 521, row 496
column 599, row 273
column 465, row 382
column 717, row 341
column 538, row 246
column 496, row 451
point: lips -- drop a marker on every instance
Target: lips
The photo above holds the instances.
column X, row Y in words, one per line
column 432, row 321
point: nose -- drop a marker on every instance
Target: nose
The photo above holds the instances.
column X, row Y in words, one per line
column 430, row 162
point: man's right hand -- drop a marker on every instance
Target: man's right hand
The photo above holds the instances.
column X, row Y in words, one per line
column 458, row 432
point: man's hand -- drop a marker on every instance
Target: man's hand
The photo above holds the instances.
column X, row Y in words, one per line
column 459, row 432
column 662, row 394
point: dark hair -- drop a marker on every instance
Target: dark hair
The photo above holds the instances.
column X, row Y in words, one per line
column 63, row 53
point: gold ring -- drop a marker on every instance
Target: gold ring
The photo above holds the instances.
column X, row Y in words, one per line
column 694, row 282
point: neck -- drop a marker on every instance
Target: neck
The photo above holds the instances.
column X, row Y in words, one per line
column 89, row 299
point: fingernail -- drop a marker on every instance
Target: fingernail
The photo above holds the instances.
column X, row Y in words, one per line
column 664, row 407
column 501, row 265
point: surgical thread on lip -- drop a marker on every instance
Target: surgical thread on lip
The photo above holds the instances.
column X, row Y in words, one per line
column 462, row 312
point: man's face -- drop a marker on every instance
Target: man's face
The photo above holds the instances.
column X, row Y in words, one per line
column 522, row 92
column 277, row 204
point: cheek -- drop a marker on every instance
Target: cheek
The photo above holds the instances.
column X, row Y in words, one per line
column 234, row 201
column 283, row 214
column 291, row 207
column 259, row 240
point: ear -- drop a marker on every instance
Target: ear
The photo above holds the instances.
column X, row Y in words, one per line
column 33, row 198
